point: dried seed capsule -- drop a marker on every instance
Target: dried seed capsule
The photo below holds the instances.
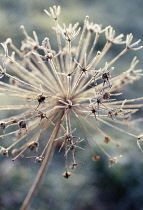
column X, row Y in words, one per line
column 15, row 152
column 4, row 151
column 22, row 124
column 33, row 145
column 48, row 56
column 96, row 158
column 112, row 161
column 106, row 75
column 41, row 115
column 107, row 139
column 106, row 95
column 67, row 174
column 41, row 98
column 39, row 159
column 2, row 125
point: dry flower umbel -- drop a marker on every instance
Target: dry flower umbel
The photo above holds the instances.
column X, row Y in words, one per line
column 57, row 87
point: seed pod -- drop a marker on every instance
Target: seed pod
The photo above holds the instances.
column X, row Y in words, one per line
column 96, row 158
column 2, row 125
column 33, row 145
column 106, row 95
column 39, row 159
column 4, row 151
column 107, row 139
column 67, row 174
column 112, row 161
column 22, row 124
column 41, row 98
column 15, row 152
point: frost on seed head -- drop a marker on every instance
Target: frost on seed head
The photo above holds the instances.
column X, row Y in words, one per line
column 64, row 94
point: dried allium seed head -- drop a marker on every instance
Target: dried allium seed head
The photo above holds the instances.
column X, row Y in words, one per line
column 77, row 85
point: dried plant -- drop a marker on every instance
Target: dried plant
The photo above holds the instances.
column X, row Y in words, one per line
column 54, row 89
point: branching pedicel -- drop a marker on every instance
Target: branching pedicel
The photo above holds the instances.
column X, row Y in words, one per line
column 70, row 84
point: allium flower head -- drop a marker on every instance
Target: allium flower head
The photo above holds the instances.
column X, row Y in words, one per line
column 55, row 87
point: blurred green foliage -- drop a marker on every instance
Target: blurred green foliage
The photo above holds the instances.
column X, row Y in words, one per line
column 94, row 185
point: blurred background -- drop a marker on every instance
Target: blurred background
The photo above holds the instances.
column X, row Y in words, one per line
column 93, row 186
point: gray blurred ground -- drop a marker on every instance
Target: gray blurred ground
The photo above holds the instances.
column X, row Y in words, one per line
column 94, row 186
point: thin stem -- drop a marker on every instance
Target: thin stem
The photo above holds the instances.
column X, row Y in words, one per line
column 56, row 75
column 21, row 81
column 93, row 139
column 93, row 46
column 43, row 168
column 81, row 40
column 119, row 129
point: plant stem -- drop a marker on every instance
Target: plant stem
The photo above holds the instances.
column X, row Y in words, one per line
column 44, row 166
